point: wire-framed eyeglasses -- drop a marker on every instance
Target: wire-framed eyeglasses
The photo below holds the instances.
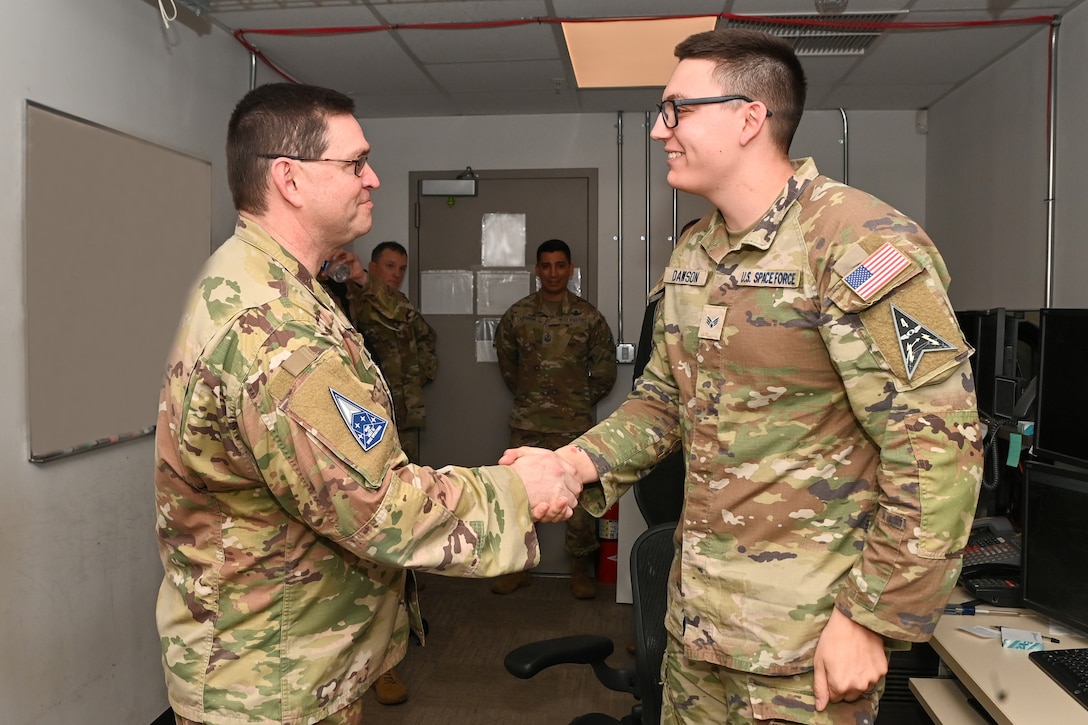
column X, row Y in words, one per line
column 671, row 118
column 359, row 162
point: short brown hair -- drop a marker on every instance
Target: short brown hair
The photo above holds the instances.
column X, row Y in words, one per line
column 282, row 119
column 397, row 247
column 759, row 65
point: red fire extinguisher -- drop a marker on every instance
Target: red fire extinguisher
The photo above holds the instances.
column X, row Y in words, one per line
column 608, row 531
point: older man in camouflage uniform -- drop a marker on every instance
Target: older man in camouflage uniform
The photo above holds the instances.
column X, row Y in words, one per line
column 557, row 356
column 287, row 511
column 808, row 362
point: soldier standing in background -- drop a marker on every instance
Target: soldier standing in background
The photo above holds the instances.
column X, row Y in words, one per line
column 287, row 513
column 557, row 356
column 396, row 334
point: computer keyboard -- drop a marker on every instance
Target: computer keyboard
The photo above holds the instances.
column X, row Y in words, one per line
column 1067, row 667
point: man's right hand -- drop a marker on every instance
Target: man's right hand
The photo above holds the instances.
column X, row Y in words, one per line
column 550, row 482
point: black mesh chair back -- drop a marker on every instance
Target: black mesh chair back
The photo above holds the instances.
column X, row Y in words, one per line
column 651, row 560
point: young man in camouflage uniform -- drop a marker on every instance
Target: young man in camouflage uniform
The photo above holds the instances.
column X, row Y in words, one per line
column 807, row 361
column 557, row 356
column 398, row 336
column 287, row 511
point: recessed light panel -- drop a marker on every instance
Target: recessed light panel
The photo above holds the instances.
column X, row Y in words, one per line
column 628, row 53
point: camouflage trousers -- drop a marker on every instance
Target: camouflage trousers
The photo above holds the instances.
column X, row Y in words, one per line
column 350, row 715
column 581, row 537
column 702, row 693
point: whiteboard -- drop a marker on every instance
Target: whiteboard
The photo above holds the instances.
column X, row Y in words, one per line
column 116, row 229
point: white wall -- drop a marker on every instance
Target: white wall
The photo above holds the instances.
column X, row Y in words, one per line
column 78, row 564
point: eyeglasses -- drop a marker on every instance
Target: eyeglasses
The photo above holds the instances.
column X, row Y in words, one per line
column 671, row 118
column 359, row 162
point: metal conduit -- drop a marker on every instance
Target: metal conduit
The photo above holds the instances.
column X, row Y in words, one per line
column 675, row 218
column 252, row 71
column 845, row 147
column 619, row 224
column 1051, row 154
column 647, row 122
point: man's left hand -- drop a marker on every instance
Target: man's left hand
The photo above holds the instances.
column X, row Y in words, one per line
column 850, row 660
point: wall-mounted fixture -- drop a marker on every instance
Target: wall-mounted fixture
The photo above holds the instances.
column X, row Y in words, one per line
column 463, row 185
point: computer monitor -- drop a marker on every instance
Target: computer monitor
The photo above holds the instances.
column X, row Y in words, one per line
column 1061, row 404
column 1055, row 550
column 1002, row 371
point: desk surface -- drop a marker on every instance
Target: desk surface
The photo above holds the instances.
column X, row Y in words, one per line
column 1013, row 689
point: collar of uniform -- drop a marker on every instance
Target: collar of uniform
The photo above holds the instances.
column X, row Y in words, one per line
column 389, row 302
column 716, row 239
column 255, row 236
column 564, row 304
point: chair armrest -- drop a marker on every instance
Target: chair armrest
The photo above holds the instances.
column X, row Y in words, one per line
column 583, row 649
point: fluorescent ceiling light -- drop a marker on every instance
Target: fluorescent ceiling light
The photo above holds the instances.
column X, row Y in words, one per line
column 628, row 53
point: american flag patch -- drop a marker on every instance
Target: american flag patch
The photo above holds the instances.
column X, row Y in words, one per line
column 877, row 270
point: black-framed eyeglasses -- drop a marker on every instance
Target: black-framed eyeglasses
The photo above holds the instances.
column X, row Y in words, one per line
column 359, row 162
column 671, row 118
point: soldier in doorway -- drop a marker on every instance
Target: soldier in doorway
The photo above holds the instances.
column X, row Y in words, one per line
column 557, row 356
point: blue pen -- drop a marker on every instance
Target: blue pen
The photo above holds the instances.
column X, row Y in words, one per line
column 969, row 609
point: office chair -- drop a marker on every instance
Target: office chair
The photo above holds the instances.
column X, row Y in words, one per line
column 651, row 559
column 660, row 493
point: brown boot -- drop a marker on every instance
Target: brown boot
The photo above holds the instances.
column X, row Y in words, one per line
column 509, row 582
column 389, row 690
column 581, row 578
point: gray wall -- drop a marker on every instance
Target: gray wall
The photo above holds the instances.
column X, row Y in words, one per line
column 987, row 171
column 77, row 554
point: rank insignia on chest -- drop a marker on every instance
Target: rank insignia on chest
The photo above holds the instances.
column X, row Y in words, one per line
column 878, row 269
column 368, row 428
column 915, row 340
column 712, row 322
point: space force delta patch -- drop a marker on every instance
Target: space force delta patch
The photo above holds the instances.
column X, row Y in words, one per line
column 368, row 428
column 915, row 340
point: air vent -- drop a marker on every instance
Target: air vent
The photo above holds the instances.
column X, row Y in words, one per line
column 825, row 39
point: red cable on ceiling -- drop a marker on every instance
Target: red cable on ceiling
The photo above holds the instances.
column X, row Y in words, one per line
column 843, row 24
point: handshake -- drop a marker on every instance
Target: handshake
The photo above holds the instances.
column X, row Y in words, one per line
column 553, row 479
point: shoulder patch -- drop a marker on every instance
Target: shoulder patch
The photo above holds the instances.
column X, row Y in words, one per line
column 915, row 333
column 367, row 427
column 915, row 340
column 876, row 271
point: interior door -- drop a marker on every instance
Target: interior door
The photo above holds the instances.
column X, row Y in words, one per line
column 468, row 404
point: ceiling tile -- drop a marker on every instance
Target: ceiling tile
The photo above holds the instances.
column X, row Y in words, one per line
column 518, row 76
